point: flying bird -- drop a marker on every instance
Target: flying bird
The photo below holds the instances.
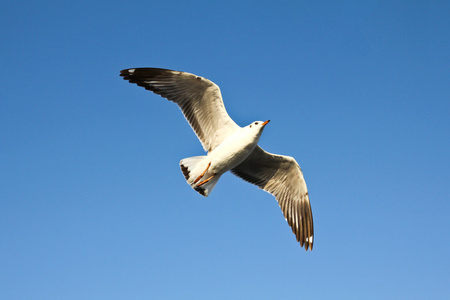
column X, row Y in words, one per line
column 230, row 147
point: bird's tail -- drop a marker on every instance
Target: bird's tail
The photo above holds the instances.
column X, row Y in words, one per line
column 196, row 171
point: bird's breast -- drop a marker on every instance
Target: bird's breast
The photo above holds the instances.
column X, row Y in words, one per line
column 231, row 152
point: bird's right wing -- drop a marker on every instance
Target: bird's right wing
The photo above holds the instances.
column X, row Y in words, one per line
column 199, row 99
column 282, row 177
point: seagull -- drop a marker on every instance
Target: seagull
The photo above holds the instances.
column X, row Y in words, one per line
column 230, row 147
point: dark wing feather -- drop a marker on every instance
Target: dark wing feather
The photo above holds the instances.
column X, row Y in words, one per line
column 199, row 99
column 282, row 177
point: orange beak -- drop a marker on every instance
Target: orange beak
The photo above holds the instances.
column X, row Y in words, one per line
column 265, row 123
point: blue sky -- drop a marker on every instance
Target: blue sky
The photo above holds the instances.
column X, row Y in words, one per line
column 93, row 204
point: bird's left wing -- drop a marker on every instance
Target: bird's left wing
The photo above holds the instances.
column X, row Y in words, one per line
column 199, row 99
column 282, row 177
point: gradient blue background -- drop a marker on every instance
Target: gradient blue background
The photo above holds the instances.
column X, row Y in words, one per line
column 92, row 201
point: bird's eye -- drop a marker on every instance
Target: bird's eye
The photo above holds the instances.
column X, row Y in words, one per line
column 250, row 126
column 256, row 123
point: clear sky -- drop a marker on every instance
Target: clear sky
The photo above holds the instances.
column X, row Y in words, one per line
column 93, row 204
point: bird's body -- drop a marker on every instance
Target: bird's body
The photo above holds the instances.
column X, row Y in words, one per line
column 230, row 153
column 229, row 146
column 235, row 148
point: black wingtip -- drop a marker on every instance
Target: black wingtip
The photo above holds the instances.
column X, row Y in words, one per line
column 144, row 70
column 125, row 74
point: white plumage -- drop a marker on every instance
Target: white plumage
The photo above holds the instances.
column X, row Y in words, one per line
column 229, row 146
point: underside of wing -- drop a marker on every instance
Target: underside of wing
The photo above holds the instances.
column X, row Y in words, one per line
column 199, row 99
column 282, row 177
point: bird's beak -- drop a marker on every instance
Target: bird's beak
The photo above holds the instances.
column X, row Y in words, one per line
column 265, row 123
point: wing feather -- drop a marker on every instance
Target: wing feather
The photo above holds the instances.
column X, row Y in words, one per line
column 282, row 177
column 198, row 98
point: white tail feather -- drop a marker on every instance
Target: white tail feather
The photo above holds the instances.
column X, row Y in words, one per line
column 192, row 168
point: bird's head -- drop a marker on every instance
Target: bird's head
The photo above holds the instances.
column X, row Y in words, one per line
column 257, row 127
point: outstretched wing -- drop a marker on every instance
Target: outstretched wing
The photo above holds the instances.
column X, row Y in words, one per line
column 282, row 177
column 199, row 99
